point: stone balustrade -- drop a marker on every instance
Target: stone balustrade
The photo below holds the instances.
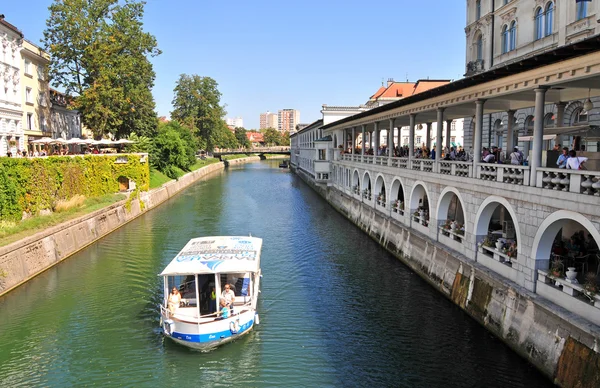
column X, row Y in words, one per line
column 574, row 181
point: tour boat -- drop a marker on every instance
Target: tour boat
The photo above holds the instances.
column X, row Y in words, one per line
column 284, row 164
column 203, row 265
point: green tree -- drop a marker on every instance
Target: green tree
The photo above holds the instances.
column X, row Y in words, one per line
column 222, row 137
column 99, row 56
column 169, row 152
column 271, row 136
column 197, row 104
column 242, row 139
column 285, row 139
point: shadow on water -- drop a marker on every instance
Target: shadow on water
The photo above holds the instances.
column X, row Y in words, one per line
column 336, row 309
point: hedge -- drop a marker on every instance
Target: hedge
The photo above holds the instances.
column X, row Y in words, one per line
column 31, row 185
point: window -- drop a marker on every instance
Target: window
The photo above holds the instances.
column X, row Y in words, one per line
column 477, row 9
column 579, row 116
column 505, row 39
column 479, row 48
column 513, row 35
column 28, row 97
column 418, row 139
column 453, row 126
column 452, row 139
column 549, row 18
column 549, row 120
column 539, row 24
column 27, row 66
column 322, row 155
column 529, row 122
column 581, row 10
column 29, row 120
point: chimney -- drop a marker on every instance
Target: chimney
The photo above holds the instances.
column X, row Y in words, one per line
column 390, row 82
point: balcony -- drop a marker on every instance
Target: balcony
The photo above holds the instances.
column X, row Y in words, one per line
column 474, row 67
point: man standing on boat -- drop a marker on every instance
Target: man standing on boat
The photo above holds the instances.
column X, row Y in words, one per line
column 229, row 296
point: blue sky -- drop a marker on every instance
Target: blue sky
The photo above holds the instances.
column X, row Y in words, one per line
column 271, row 55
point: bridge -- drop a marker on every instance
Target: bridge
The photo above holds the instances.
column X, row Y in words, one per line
column 217, row 153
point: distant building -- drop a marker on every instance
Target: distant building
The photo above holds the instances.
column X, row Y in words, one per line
column 236, row 122
column 287, row 120
column 11, row 101
column 66, row 122
column 268, row 120
column 395, row 91
column 257, row 139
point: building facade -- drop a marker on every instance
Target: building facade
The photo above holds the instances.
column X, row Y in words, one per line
column 287, row 119
column 268, row 120
column 235, row 122
column 12, row 138
column 66, row 123
column 35, row 93
column 495, row 39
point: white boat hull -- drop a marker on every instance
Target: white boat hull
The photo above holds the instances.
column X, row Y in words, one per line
column 206, row 336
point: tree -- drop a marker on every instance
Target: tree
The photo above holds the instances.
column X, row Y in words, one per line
column 242, row 139
column 271, row 136
column 99, row 56
column 197, row 104
column 172, row 148
column 222, row 137
column 285, row 139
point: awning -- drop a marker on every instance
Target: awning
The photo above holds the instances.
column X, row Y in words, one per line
column 530, row 138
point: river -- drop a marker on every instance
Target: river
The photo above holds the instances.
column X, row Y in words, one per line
column 336, row 310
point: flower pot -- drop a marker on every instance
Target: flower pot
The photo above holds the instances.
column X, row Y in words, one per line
column 453, row 226
column 571, row 274
column 499, row 245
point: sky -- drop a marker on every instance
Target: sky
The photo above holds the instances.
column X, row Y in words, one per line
column 271, row 55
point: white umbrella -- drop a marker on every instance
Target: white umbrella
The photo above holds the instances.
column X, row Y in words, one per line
column 75, row 140
column 43, row 140
column 124, row 141
column 59, row 141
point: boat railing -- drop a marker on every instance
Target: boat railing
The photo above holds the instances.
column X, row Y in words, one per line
column 207, row 318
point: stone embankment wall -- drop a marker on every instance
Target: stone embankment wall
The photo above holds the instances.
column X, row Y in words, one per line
column 24, row 259
column 562, row 345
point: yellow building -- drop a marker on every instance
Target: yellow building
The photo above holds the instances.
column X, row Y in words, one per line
column 36, row 102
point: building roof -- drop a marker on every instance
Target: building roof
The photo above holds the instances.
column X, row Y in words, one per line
column 549, row 57
column 10, row 26
column 255, row 137
column 313, row 125
column 378, row 93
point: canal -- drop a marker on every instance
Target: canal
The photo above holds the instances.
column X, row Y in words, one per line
column 336, row 310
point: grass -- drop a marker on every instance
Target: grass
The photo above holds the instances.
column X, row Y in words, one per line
column 157, row 178
column 235, row 156
column 201, row 163
column 11, row 232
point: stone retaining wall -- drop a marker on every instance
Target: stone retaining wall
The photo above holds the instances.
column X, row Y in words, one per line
column 562, row 345
column 27, row 258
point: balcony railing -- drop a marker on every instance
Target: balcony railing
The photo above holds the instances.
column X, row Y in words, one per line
column 507, row 173
column 423, row 165
column 574, row 181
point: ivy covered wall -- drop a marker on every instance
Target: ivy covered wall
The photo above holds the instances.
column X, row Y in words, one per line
column 31, row 185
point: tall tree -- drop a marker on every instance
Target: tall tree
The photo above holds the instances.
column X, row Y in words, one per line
column 100, row 57
column 197, row 104
column 242, row 139
column 271, row 136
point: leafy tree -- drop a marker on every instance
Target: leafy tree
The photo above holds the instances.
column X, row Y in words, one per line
column 140, row 143
column 168, row 151
column 191, row 145
column 197, row 105
column 271, row 136
column 285, row 139
column 222, row 137
column 242, row 139
column 99, row 53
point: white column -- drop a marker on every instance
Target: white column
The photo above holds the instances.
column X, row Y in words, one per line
column 364, row 142
column 448, row 130
column 538, row 134
column 439, row 131
column 510, row 134
column 411, row 139
column 391, row 138
column 376, row 135
column 353, row 139
column 428, row 140
column 477, row 138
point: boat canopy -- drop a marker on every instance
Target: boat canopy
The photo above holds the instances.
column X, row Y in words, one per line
column 220, row 254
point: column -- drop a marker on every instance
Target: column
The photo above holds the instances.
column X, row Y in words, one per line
column 376, row 142
column 560, row 114
column 477, row 138
column 428, row 141
column 363, row 129
column 438, row 138
column 448, row 131
column 510, row 134
column 353, row 139
column 411, row 139
column 535, row 161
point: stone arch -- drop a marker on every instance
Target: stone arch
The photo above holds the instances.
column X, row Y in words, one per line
column 444, row 203
column 546, row 233
column 570, row 109
column 528, row 125
column 355, row 179
column 366, row 181
column 380, row 185
column 397, row 190
column 484, row 217
column 419, row 195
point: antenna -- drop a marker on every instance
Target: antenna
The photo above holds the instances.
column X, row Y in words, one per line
column 406, row 77
column 381, row 81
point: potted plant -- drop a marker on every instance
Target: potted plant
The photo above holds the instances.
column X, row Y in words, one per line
column 487, row 242
column 557, row 267
column 590, row 287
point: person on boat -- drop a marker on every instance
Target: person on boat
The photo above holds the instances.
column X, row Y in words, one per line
column 228, row 295
column 213, row 301
column 224, row 309
column 174, row 300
